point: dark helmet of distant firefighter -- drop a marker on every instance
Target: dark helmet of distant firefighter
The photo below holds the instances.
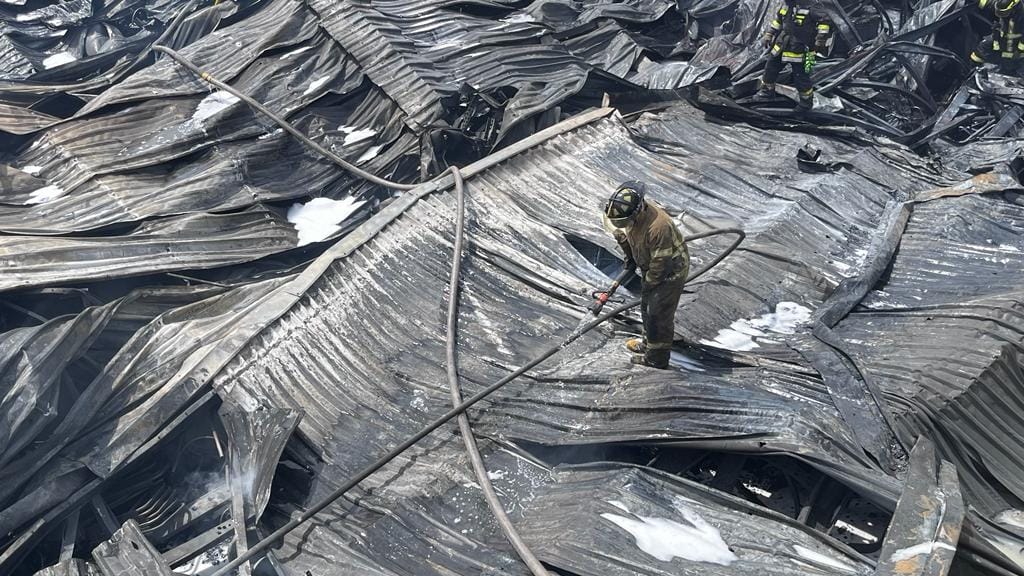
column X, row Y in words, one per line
column 626, row 203
column 1005, row 7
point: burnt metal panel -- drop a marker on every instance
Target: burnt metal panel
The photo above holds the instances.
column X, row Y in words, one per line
column 190, row 242
column 72, row 567
column 129, row 553
column 925, row 529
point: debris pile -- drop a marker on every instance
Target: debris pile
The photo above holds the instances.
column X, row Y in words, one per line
column 206, row 326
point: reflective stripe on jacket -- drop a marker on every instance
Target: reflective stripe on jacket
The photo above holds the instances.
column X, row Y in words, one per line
column 796, row 31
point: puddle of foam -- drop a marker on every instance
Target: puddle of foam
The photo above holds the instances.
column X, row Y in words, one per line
column 519, row 17
column 370, row 154
column 666, row 539
column 58, row 59
column 353, row 135
column 211, row 105
column 316, row 84
column 318, row 219
column 270, row 134
column 45, row 194
column 739, row 336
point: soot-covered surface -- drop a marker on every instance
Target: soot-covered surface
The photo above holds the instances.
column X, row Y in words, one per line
column 206, row 326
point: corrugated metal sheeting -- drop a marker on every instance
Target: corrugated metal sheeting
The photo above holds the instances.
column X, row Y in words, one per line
column 370, row 384
column 171, row 345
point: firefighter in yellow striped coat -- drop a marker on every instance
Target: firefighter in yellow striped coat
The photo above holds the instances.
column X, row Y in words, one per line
column 1004, row 46
column 796, row 34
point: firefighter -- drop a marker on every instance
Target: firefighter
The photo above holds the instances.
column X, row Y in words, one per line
column 1004, row 45
column 650, row 241
column 796, row 34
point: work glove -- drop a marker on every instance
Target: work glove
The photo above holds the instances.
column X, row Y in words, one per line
column 767, row 40
column 809, row 62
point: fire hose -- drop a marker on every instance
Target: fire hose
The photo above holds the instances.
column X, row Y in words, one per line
column 460, row 406
column 459, row 409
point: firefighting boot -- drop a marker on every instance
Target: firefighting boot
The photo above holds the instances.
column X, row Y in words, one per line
column 653, row 358
column 765, row 92
column 806, row 102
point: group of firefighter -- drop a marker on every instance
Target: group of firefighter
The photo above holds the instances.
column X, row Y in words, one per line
column 801, row 29
column 649, row 237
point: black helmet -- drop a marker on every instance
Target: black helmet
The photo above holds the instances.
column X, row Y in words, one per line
column 627, row 201
column 1005, row 7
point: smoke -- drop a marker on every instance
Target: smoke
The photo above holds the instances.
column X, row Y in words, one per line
column 203, row 482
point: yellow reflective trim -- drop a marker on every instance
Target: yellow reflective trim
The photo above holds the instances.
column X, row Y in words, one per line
column 977, row 59
column 785, row 10
column 776, row 24
column 982, row 3
column 1007, row 54
column 823, row 28
column 995, row 45
column 788, row 54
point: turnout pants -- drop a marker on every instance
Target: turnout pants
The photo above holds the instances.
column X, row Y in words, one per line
column 989, row 51
column 658, row 310
column 801, row 79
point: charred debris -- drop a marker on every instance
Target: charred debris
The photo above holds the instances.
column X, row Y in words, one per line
column 208, row 326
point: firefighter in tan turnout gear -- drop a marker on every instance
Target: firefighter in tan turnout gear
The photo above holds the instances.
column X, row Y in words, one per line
column 652, row 242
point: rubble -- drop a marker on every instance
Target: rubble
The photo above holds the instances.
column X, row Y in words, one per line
column 206, row 327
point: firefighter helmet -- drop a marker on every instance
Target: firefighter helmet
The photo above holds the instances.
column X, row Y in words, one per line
column 1005, row 8
column 624, row 205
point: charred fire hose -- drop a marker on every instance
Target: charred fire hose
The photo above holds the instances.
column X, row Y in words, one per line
column 458, row 410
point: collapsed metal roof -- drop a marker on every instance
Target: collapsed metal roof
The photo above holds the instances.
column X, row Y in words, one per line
column 208, row 327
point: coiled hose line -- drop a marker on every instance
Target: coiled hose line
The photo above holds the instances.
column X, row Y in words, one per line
column 365, row 473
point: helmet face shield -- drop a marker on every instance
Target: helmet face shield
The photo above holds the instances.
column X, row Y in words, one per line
column 625, row 222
